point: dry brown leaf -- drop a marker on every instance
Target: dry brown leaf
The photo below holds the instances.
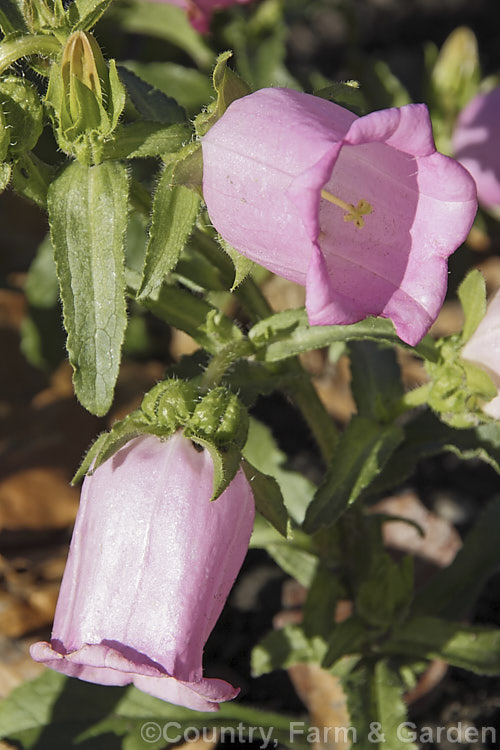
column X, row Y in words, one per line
column 325, row 700
column 37, row 498
column 440, row 542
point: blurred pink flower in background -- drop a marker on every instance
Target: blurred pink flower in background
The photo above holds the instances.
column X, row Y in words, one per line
column 476, row 144
column 150, row 567
column 200, row 11
column 483, row 350
column 361, row 210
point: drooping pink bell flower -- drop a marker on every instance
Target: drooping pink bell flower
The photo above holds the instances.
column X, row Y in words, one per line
column 476, row 144
column 150, row 566
column 200, row 11
column 361, row 210
column 483, row 350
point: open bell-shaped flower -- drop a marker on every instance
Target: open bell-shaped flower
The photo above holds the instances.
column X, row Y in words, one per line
column 362, row 211
column 476, row 144
column 200, row 11
column 483, row 350
column 150, row 567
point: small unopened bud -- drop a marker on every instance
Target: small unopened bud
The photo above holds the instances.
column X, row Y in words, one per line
column 86, row 97
column 220, row 418
column 456, row 72
column 82, row 59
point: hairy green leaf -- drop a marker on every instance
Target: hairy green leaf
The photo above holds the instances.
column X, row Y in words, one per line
column 470, row 647
column 268, row 497
column 359, row 456
column 175, row 210
column 284, row 648
column 88, row 216
column 151, row 103
column 139, row 140
column 58, row 713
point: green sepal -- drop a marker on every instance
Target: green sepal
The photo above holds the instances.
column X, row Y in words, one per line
column 109, row 443
column 228, row 87
column 458, row 388
column 479, row 382
column 472, row 296
column 242, row 265
column 167, row 407
column 226, row 461
column 22, row 116
column 268, row 498
column 93, row 452
column 116, row 96
column 188, row 168
column 175, row 209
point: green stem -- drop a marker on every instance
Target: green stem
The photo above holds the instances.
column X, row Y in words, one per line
column 301, row 390
column 31, row 44
column 222, row 361
column 321, row 424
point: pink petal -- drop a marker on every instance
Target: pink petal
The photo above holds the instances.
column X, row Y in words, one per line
column 267, row 160
column 476, row 144
column 151, row 564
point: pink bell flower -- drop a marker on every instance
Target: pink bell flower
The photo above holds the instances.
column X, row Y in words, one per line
column 362, row 211
column 200, row 11
column 476, row 144
column 150, row 567
column 483, row 350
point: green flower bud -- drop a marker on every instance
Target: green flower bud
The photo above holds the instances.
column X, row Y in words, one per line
column 220, row 418
column 169, row 404
column 86, row 98
column 456, row 73
column 83, row 64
